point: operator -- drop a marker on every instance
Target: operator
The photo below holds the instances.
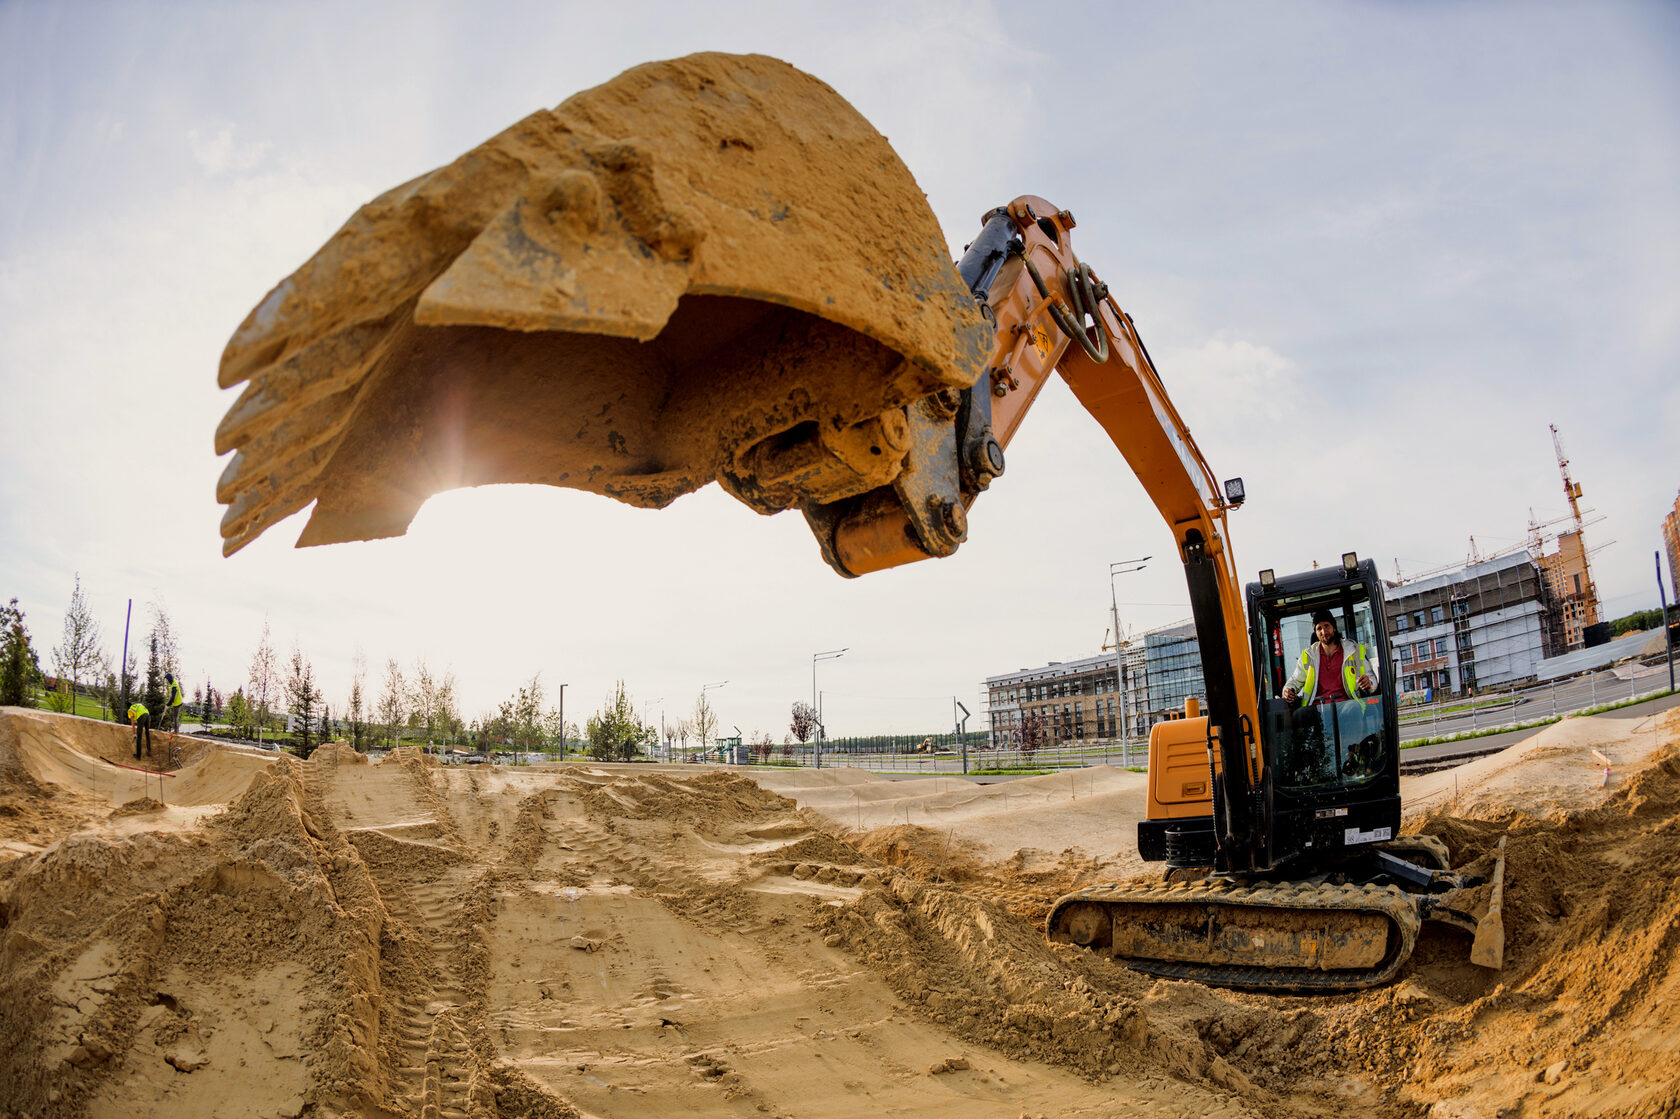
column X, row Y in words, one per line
column 171, row 706
column 142, row 720
column 1331, row 669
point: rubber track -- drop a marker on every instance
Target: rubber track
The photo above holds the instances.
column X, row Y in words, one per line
column 1390, row 901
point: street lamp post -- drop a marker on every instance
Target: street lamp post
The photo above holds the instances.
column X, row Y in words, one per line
column 1668, row 633
column 816, row 743
column 1122, row 567
column 562, row 722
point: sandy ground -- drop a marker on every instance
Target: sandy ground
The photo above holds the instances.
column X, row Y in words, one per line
column 335, row 937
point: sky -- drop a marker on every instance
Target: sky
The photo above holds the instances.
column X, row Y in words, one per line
column 1374, row 248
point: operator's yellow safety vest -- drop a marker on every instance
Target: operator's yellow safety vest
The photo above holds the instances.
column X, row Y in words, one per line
column 137, row 710
column 1351, row 669
column 175, row 699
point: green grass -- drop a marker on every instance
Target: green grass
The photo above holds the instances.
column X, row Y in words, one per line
column 1006, row 770
column 86, row 707
column 1455, row 709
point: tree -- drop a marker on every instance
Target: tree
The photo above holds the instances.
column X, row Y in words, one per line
column 237, row 716
column 20, row 670
column 445, row 715
column 152, row 697
column 80, row 654
column 614, row 731
column 553, row 733
column 393, row 702
column 804, row 720
column 168, row 645
column 526, row 725
column 1636, row 621
column 302, row 699
column 106, row 687
column 1032, row 732
column 265, row 671
column 423, row 698
column 118, row 687
column 704, row 722
column 358, row 716
column 681, row 730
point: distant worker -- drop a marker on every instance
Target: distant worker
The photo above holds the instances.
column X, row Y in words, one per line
column 1331, row 669
column 142, row 720
column 172, row 705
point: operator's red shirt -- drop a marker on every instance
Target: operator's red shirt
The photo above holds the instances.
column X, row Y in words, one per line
column 1330, row 687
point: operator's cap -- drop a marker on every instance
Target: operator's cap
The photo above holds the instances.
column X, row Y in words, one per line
column 1323, row 616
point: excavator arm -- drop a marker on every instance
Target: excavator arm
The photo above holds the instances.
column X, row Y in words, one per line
column 1050, row 313
column 1107, row 366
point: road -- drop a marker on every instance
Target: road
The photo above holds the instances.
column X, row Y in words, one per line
column 1537, row 703
column 1540, row 702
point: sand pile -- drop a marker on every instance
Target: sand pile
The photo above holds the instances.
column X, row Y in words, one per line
column 400, row 938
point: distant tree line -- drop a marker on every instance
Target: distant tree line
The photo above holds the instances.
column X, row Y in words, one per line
column 1636, row 621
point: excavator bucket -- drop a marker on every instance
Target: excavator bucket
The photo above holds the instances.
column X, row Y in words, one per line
column 711, row 268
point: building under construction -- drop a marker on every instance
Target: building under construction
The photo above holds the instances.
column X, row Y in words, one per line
column 1491, row 622
column 1483, row 625
column 1573, row 623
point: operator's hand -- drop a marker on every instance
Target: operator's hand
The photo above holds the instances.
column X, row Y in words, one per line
column 1367, row 685
column 1289, row 693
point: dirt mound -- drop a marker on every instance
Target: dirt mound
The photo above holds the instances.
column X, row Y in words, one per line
column 194, row 968
column 927, row 854
column 403, row 938
column 338, row 752
column 138, row 807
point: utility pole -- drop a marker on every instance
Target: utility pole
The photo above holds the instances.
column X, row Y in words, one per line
column 562, row 721
column 1668, row 633
column 128, row 617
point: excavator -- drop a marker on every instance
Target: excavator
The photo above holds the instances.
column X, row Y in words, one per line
column 715, row 269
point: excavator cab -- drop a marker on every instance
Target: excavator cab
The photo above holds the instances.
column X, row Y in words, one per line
column 1332, row 763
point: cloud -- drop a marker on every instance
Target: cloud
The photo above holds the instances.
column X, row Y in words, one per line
column 219, row 154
